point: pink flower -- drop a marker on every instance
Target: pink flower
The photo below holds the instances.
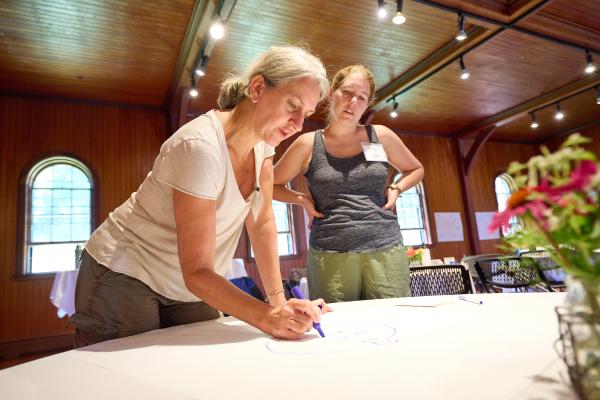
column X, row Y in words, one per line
column 535, row 207
column 581, row 177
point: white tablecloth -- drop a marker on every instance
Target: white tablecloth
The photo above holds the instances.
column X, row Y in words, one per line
column 410, row 348
column 237, row 270
column 62, row 294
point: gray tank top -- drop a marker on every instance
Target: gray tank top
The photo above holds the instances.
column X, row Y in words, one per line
column 350, row 192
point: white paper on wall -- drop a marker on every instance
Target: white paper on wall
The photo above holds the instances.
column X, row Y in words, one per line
column 483, row 219
column 449, row 227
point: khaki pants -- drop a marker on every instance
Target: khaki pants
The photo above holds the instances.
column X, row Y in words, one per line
column 337, row 277
column 111, row 305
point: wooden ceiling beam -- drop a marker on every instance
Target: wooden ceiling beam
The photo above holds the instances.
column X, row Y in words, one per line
column 198, row 27
column 511, row 114
column 548, row 27
column 448, row 53
column 561, row 134
column 482, row 137
column 521, row 7
column 431, row 64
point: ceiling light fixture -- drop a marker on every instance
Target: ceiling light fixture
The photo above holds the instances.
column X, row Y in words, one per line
column 381, row 11
column 399, row 18
column 193, row 91
column 217, row 30
column 534, row 123
column 558, row 114
column 201, row 69
column 461, row 35
column 394, row 112
column 597, row 93
column 590, row 67
column 464, row 73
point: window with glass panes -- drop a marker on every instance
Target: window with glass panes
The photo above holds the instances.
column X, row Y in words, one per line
column 503, row 185
column 284, row 224
column 59, row 214
column 283, row 221
column 411, row 215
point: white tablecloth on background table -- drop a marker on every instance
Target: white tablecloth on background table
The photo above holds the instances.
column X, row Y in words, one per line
column 237, row 270
column 408, row 348
column 62, row 294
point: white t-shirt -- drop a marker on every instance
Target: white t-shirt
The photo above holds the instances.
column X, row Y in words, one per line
column 139, row 237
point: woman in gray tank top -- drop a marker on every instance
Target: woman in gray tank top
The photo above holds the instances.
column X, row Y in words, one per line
column 356, row 249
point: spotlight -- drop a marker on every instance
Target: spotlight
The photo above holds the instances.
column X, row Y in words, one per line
column 461, row 35
column 193, row 91
column 534, row 123
column 201, row 68
column 217, row 30
column 399, row 18
column 559, row 114
column 464, row 73
column 394, row 112
column 590, row 67
column 597, row 93
column 381, row 11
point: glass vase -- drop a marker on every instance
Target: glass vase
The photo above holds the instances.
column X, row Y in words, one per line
column 579, row 326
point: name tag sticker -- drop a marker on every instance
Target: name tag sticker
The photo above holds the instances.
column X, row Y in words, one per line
column 374, row 152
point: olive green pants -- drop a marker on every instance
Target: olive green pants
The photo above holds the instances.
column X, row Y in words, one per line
column 111, row 305
column 337, row 277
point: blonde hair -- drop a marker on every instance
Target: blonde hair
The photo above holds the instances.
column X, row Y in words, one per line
column 278, row 65
column 343, row 73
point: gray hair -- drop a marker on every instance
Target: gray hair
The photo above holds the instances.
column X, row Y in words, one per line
column 278, row 65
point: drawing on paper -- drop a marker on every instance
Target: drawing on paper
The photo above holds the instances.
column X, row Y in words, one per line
column 338, row 338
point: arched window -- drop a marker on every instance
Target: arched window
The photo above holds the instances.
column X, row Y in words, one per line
column 504, row 186
column 58, row 214
column 412, row 216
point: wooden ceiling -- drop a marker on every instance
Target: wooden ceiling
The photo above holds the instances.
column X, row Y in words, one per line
column 100, row 50
column 139, row 53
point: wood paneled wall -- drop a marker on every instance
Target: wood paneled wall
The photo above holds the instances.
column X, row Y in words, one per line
column 118, row 144
column 592, row 132
column 442, row 188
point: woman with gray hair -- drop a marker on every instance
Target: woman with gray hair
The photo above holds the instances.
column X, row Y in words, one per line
column 159, row 259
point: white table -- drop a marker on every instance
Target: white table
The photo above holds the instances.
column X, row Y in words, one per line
column 62, row 294
column 410, row 348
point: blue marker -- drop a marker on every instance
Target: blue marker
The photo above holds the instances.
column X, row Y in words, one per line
column 297, row 293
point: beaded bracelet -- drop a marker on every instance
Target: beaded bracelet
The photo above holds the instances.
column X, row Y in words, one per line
column 273, row 293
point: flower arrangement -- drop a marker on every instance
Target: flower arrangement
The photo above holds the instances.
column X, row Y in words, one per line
column 415, row 256
column 556, row 199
